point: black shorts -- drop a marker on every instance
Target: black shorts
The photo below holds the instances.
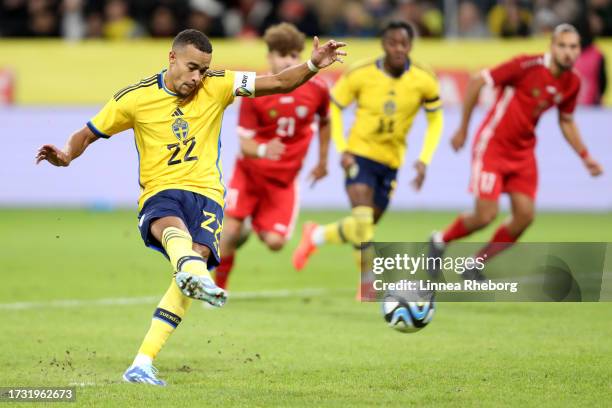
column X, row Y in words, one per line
column 202, row 216
column 380, row 177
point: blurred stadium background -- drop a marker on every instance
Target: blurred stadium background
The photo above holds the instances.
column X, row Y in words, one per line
column 61, row 60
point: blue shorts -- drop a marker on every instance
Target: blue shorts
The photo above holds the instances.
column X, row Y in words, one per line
column 380, row 177
column 202, row 216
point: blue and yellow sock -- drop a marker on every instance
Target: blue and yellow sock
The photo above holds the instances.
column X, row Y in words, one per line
column 355, row 229
column 179, row 247
column 166, row 318
column 173, row 305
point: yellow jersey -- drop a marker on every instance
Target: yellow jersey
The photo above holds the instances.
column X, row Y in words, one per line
column 177, row 140
column 386, row 107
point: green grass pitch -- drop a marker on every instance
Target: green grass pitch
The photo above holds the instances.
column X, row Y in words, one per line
column 314, row 346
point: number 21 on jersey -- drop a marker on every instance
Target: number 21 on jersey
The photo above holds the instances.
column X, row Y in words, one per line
column 285, row 126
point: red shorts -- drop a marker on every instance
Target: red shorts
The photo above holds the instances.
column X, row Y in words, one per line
column 493, row 175
column 272, row 207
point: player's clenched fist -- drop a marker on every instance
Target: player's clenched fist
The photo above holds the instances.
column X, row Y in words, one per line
column 420, row 168
column 274, row 149
column 347, row 160
column 458, row 139
column 317, row 173
column 594, row 168
column 53, row 155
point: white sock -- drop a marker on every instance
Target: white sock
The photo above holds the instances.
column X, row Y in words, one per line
column 318, row 235
column 438, row 240
column 142, row 360
column 367, row 277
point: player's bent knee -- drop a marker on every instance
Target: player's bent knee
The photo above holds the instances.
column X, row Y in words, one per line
column 378, row 213
column 159, row 225
column 360, row 194
column 274, row 242
column 275, row 246
column 230, row 239
column 202, row 250
column 484, row 218
column 232, row 234
column 528, row 218
column 524, row 219
column 232, row 227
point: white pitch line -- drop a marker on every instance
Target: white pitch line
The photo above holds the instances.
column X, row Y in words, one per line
column 71, row 303
column 280, row 293
column 82, row 384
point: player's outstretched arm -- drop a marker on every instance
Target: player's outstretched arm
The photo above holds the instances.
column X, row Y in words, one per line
column 337, row 134
column 471, row 98
column 572, row 135
column 292, row 77
column 75, row 146
column 337, row 126
column 435, row 124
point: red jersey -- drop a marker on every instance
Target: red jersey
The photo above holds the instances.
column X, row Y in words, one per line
column 288, row 116
column 527, row 88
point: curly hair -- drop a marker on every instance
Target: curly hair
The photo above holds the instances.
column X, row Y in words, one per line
column 284, row 38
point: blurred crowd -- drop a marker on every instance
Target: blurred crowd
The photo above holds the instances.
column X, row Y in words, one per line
column 119, row 19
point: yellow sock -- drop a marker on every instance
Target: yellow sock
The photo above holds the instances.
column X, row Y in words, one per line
column 336, row 232
column 173, row 305
column 332, row 233
column 356, row 228
column 361, row 238
column 364, row 225
column 179, row 247
column 169, row 313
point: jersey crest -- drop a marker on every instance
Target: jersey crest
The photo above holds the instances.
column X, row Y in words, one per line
column 389, row 107
column 301, row 111
column 180, row 128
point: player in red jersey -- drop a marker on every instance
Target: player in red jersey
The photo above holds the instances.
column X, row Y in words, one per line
column 275, row 133
column 503, row 153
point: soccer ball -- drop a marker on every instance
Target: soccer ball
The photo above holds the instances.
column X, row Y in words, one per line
column 405, row 315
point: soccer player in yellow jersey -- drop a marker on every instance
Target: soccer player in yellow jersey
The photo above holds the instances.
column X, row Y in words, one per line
column 389, row 92
column 176, row 117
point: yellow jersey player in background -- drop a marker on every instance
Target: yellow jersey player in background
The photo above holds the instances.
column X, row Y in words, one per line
column 176, row 115
column 389, row 92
